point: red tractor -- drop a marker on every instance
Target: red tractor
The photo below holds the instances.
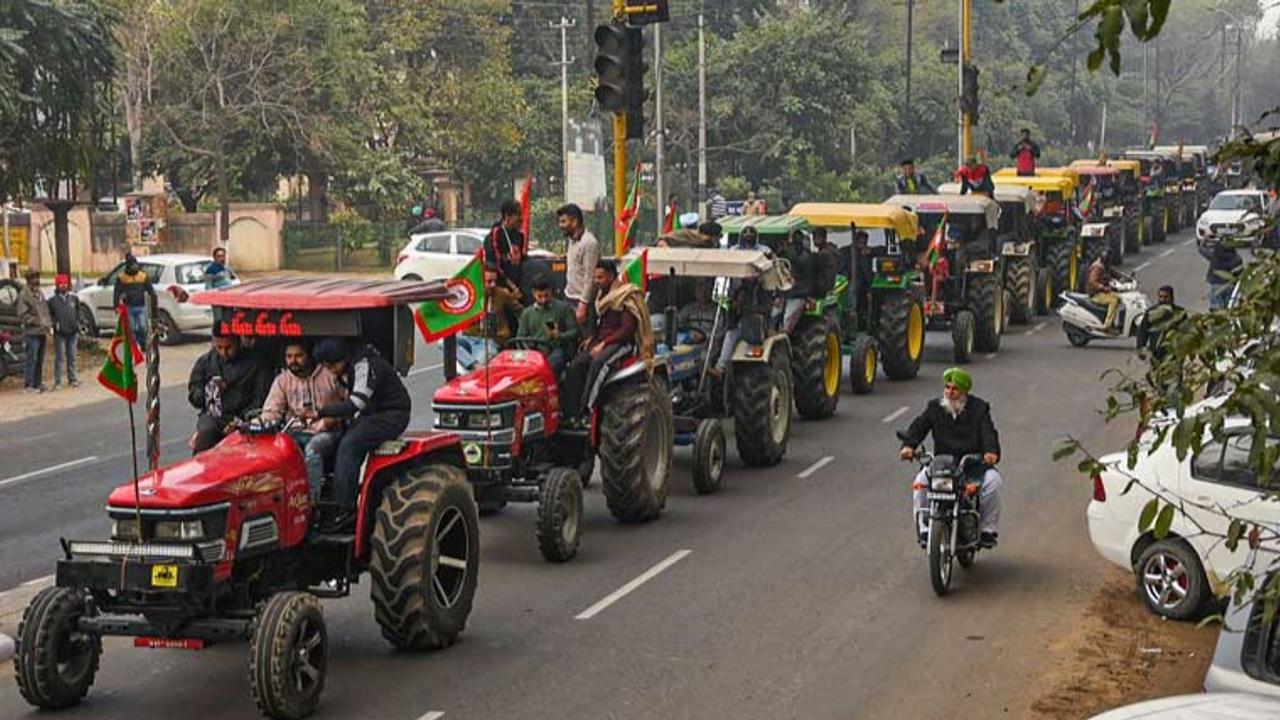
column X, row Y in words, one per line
column 224, row 547
column 519, row 446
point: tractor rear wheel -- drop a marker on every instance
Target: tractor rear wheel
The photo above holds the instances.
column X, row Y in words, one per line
column 55, row 664
column 962, row 332
column 901, row 334
column 816, row 365
column 761, row 400
column 637, row 432
column 425, row 558
column 708, row 456
column 986, row 297
column 1021, row 282
column 1063, row 267
column 862, row 365
column 560, row 515
column 288, row 656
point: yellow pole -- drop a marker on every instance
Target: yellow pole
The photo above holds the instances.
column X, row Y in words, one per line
column 619, row 154
column 967, row 141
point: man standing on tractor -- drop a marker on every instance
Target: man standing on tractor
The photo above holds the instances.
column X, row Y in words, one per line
column 225, row 383
column 550, row 320
column 623, row 321
column 296, row 392
column 1025, row 153
column 910, row 182
column 580, row 261
column 975, row 177
column 504, row 245
column 1100, row 289
column 377, row 404
column 961, row 425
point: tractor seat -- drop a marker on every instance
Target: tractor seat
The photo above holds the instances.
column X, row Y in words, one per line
column 390, row 447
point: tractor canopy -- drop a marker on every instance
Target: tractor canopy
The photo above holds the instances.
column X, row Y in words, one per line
column 1007, row 195
column 979, row 205
column 865, row 215
column 735, row 264
column 765, row 225
column 1063, row 185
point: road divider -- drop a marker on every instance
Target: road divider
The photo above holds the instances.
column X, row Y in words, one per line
column 895, row 414
column 631, row 587
column 805, row 473
column 44, row 471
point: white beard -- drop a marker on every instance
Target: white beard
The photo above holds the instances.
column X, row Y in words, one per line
column 955, row 408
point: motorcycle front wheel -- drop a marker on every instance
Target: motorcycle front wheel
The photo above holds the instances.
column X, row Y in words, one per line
column 940, row 555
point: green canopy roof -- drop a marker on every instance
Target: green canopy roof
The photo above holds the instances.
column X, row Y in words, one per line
column 764, row 224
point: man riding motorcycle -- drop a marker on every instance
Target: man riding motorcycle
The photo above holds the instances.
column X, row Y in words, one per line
column 961, row 425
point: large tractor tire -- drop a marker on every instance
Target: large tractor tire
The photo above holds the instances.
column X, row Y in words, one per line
column 708, row 456
column 962, row 336
column 986, row 298
column 761, row 400
column 288, row 656
column 1046, row 293
column 1132, row 243
column 1021, row 282
column 1064, row 267
column 425, row 558
column 863, row 358
column 560, row 515
column 55, row 664
column 901, row 335
column 637, row 432
column 816, row 366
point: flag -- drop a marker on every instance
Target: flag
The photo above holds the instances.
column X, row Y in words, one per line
column 636, row 271
column 1087, row 202
column 935, row 243
column 524, row 210
column 1155, row 132
column 672, row 221
column 627, row 217
column 464, row 306
column 117, row 373
column 677, row 224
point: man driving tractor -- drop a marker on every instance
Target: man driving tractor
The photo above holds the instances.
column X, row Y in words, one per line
column 225, row 383
column 550, row 320
column 299, row 389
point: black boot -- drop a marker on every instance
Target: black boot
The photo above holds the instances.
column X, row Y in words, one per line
column 988, row 540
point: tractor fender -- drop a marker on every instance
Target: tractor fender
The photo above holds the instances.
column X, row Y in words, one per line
column 659, row 369
column 384, row 463
column 747, row 353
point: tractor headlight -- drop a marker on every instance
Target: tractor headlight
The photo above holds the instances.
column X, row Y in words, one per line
column 179, row 530
column 943, row 484
column 449, row 419
column 122, row 529
column 886, row 265
column 486, row 421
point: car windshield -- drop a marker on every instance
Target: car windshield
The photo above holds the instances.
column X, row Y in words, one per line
column 1235, row 202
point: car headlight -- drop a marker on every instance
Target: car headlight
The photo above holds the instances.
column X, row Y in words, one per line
column 943, row 484
column 179, row 530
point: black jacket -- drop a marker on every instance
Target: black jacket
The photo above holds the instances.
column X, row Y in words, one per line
column 373, row 387
column 825, row 266
column 1224, row 263
column 971, row 432
column 247, row 382
column 803, row 266
column 64, row 307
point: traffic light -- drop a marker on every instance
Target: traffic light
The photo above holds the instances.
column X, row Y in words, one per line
column 635, row 92
column 969, row 95
column 611, row 66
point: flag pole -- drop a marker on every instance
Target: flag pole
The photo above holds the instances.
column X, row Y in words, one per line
column 153, row 388
column 133, row 455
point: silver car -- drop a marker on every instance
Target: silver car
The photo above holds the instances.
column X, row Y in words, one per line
column 174, row 277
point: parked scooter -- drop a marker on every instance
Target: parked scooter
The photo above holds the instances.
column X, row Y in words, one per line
column 1082, row 319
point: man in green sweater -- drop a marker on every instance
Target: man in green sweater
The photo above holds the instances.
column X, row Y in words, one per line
column 550, row 320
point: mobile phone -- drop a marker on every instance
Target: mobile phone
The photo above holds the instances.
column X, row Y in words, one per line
column 551, row 325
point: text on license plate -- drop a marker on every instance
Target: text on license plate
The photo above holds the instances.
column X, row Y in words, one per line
column 164, row 576
column 942, row 496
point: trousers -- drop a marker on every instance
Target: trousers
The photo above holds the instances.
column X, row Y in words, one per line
column 316, row 449
column 988, row 501
column 1112, row 301
column 34, row 348
column 64, row 357
column 365, row 434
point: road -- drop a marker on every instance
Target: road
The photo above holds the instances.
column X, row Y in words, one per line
column 796, row 592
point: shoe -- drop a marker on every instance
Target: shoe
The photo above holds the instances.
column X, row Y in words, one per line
column 45, row 389
column 339, row 521
column 31, row 390
column 57, row 386
column 988, row 540
column 75, row 383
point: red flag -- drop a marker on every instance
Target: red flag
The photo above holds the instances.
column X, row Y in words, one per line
column 1155, row 133
column 627, row 217
column 669, row 223
column 524, row 209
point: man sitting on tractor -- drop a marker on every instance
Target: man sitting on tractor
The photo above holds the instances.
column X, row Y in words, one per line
column 378, row 402
column 550, row 320
column 795, row 251
column 698, row 318
column 975, row 177
column 225, row 384
column 298, row 390
column 623, row 321
column 826, row 263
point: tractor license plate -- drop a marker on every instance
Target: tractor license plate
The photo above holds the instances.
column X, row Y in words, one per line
column 164, row 576
column 161, row 643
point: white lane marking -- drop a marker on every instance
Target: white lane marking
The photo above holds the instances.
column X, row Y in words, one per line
column 419, row 371
column 1039, row 326
column 38, row 581
column 51, row 468
column 895, row 414
column 630, row 587
column 433, row 715
column 1142, row 267
column 815, row 467
column 1168, row 252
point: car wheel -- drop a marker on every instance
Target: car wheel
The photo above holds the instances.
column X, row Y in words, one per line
column 1171, row 580
column 167, row 331
column 412, row 277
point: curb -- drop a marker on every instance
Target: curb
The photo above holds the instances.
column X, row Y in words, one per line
column 7, row 648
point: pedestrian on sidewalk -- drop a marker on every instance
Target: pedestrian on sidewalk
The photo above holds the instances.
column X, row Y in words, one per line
column 37, row 325
column 133, row 285
column 217, row 274
column 64, row 308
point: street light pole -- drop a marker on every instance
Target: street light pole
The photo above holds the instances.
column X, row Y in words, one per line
column 660, row 199
column 702, row 117
column 906, row 98
column 1237, row 106
column 565, row 60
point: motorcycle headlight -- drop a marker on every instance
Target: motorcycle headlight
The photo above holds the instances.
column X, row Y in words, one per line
column 179, row 530
column 943, row 484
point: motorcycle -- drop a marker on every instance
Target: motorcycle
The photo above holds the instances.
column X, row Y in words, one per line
column 1082, row 319
column 950, row 513
column 9, row 362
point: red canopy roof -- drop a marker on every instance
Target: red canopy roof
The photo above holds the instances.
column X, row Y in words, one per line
column 322, row 294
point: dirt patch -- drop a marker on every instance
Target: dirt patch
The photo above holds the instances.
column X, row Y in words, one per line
column 1120, row 654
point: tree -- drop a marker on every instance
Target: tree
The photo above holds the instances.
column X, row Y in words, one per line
column 54, row 102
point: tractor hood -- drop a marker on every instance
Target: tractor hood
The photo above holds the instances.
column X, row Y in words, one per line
column 240, row 466
column 512, row 375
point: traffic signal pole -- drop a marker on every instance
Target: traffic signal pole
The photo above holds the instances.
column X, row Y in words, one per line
column 966, row 122
column 619, row 156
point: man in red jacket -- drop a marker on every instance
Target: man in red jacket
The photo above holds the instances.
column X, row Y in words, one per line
column 1025, row 153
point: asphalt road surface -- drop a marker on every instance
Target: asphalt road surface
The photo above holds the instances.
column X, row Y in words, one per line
column 797, row 592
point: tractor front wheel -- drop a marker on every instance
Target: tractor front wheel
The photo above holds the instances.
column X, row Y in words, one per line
column 560, row 515
column 288, row 656
column 55, row 663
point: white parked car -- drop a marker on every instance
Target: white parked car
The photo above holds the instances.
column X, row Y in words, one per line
column 1174, row 575
column 1210, row 706
column 174, row 277
column 1235, row 215
column 1247, row 656
column 435, row 255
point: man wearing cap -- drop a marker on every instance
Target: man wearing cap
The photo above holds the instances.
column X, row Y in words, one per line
column 64, row 308
column 961, row 425
column 377, row 404
column 33, row 313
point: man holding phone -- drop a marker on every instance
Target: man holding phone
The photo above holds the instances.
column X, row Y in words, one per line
column 552, row 321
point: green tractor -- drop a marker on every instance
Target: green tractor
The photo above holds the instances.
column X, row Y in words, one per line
column 1057, row 231
column 1135, row 193
column 817, row 338
column 881, row 312
column 1026, row 272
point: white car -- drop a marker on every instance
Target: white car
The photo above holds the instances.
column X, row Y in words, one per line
column 174, row 277
column 1211, row 706
column 1174, row 575
column 1247, row 656
column 435, row 255
column 1235, row 215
